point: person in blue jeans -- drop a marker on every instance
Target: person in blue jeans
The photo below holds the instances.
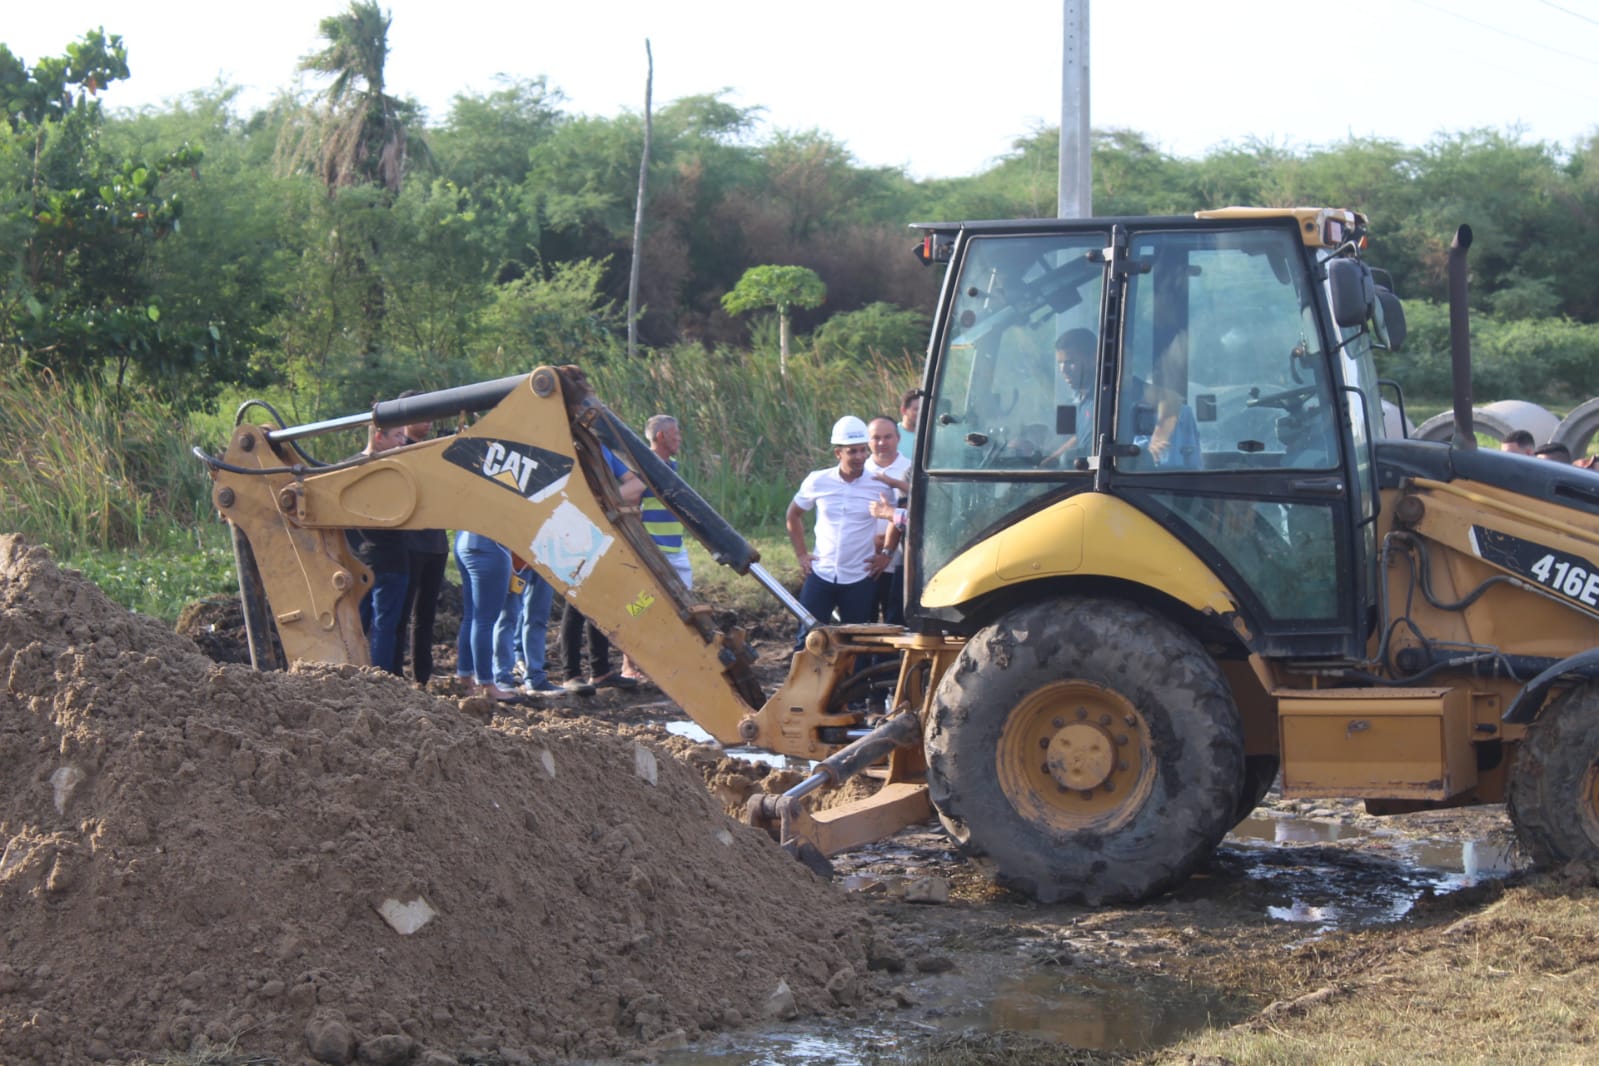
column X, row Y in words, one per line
column 537, row 598
column 387, row 553
column 508, row 629
column 485, row 585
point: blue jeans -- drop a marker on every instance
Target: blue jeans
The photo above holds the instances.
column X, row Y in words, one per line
column 853, row 601
column 537, row 599
column 486, row 572
column 507, row 638
column 381, row 610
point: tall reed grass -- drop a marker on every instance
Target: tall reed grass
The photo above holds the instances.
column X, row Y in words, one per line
column 83, row 468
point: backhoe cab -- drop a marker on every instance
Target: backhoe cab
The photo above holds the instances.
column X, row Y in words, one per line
column 1158, row 552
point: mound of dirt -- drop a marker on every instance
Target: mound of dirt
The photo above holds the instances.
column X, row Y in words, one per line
column 329, row 865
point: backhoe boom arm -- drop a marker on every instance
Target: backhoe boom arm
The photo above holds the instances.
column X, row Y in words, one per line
column 528, row 474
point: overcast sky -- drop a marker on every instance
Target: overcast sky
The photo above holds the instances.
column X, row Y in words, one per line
column 940, row 87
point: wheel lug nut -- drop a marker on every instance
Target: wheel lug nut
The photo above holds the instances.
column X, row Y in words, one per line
column 1129, row 721
column 1121, row 738
column 1088, row 793
column 1110, row 786
column 1043, row 742
column 1082, row 712
column 1121, row 765
column 1104, row 719
column 1058, row 722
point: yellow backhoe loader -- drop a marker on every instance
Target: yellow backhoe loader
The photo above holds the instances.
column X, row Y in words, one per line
column 1137, row 589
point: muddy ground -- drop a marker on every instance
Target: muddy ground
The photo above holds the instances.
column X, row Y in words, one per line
column 148, row 797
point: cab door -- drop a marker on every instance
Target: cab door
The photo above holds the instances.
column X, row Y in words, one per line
column 1228, row 425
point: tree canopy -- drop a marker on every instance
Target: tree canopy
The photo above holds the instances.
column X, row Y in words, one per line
column 340, row 244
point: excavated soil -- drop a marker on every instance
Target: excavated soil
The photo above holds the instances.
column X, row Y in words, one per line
column 329, row 865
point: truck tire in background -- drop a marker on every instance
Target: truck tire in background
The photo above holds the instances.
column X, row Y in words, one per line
column 1578, row 429
column 1085, row 750
column 1498, row 420
column 1394, row 422
column 1554, row 786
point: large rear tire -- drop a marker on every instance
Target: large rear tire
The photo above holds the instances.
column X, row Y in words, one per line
column 1260, row 773
column 1554, row 785
column 1085, row 750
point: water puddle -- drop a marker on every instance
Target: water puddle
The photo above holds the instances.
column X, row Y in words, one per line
column 785, row 1046
column 1082, row 1011
column 1380, row 881
column 1062, row 1006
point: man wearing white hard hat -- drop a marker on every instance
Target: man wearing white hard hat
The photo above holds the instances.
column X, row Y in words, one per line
column 841, row 574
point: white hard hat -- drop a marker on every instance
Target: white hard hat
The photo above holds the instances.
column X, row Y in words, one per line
column 849, row 430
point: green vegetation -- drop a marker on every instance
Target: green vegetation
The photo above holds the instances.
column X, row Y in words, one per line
column 337, row 247
column 782, row 288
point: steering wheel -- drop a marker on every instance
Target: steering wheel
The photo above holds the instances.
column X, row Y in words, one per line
column 1290, row 400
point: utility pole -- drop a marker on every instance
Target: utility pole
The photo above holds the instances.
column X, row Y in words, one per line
column 1076, row 193
column 638, row 210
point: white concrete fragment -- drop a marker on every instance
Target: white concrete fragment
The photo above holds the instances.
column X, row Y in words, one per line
column 927, row 890
column 644, row 763
column 548, row 760
column 723, row 836
column 65, row 781
column 781, row 1004
column 407, row 918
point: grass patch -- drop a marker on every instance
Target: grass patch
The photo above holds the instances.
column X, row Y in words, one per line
column 1515, row 982
column 722, row 588
column 160, row 582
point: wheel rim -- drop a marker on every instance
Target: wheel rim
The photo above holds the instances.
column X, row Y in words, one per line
column 1075, row 755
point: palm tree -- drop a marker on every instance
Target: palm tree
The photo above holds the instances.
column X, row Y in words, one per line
column 363, row 135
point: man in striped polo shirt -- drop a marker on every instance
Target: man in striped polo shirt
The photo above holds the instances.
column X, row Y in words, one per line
column 665, row 438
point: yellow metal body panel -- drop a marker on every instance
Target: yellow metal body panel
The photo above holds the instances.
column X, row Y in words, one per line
column 849, row 825
column 1256, row 707
column 1311, row 219
column 1516, row 616
column 1089, row 534
column 1380, row 743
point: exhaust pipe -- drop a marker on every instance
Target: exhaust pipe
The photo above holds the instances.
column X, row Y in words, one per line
column 1460, row 339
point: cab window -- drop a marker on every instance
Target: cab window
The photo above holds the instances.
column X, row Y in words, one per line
column 1222, row 368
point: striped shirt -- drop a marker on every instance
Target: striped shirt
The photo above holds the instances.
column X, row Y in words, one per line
column 661, row 524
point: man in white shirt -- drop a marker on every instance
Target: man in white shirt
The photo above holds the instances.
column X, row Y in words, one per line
column 891, row 469
column 842, row 572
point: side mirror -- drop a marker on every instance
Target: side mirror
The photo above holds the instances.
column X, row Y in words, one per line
column 1389, row 319
column 1350, row 291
